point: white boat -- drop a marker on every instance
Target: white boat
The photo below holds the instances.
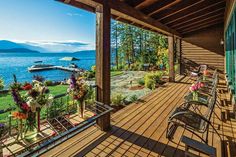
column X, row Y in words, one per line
column 39, row 67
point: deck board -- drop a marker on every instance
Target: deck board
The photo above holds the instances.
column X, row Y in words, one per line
column 139, row 129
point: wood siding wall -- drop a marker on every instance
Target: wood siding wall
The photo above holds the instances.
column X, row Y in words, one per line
column 203, row 47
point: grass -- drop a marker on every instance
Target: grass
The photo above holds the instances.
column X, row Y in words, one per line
column 6, row 100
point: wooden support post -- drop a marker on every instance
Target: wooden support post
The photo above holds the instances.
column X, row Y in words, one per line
column 171, row 58
column 179, row 55
column 103, row 18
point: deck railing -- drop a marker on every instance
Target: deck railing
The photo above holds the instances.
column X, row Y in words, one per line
column 57, row 118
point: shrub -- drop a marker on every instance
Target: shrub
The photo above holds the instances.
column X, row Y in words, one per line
column 93, row 68
column 141, row 82
column 89, row 74
column 1, row 83
column 126, row 67
column 149, row 83
column 48, row 83
column 118, row 99
column 153, row 76
column 140, row 66
column 38, row 78
column 120, row 67
column 133, row 98
column 151, row 79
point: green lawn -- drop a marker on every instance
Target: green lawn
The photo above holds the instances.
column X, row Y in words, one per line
column 6, row 99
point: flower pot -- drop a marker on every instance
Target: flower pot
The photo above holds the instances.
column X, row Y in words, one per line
column 30, row 134
column 30, row 129
column 195, row 96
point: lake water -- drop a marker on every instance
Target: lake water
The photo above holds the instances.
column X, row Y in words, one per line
column 17, row 63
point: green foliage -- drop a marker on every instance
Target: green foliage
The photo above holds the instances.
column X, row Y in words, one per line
column 156, row 76
column 116, row 73
column 93, row 68
column 57, row 108
column 118, row 99
column 151, row 84
column 151, row 79
column 90, row 94
column 48, row 83
column 141, row 82
column 16, row 86
column 133, row 98
column 89, row 74
column 130, row 45
column 1, row 83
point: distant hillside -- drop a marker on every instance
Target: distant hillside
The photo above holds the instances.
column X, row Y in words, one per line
column 5, row 44
column 14, row 50
column 43, row 47
column 12, row 47
column 87, row 51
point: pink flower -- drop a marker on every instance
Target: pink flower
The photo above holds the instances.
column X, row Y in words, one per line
column 53, row 133
column 194, row 87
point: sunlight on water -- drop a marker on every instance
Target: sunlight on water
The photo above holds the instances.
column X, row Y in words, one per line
column 17, row 63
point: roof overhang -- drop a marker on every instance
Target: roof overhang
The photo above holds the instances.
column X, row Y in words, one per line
column 123, row 12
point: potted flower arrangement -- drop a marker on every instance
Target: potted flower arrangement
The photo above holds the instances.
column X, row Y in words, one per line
column 37, row 97
column 78, row 90
column 34, row 99
column 23, row 108
column 194, row 89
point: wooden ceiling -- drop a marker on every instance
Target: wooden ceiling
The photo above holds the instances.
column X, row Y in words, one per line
column 177, row 17
column 184, row 16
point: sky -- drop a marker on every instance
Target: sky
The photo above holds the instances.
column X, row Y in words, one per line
column 46, row 21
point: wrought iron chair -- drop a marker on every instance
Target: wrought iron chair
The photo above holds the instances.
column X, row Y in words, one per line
column 199, row 71
column 192, row 120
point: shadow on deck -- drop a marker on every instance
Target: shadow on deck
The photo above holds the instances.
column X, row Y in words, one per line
column 139, row 129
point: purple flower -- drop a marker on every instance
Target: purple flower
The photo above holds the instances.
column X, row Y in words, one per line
column 2, row 125
column 15, row 96
column 72, row 81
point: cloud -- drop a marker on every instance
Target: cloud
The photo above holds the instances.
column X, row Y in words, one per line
column 73, row 14
column 63, row 46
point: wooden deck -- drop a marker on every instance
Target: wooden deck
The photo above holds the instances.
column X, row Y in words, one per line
column 139, row 129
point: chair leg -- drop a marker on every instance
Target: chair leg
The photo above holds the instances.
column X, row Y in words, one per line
column 170, row 130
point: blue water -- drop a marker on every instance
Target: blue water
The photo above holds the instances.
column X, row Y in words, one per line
column 17, row 63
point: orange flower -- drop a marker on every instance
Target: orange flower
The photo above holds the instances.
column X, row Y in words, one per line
column 19, row 115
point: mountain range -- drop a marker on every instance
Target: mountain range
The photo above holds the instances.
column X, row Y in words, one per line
column 43, row 47
column 9, row 46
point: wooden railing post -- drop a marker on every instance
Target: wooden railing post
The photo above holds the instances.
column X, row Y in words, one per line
column 171, row 58
column 103, row 18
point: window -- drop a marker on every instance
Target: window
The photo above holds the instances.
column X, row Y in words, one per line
column 230, row 38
